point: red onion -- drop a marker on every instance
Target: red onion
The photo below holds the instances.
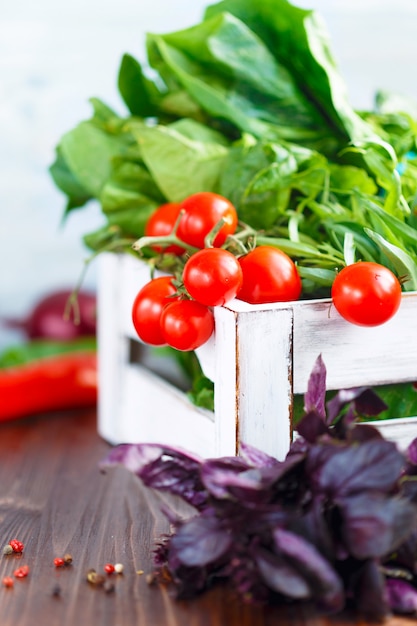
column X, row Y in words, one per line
column 60, row 315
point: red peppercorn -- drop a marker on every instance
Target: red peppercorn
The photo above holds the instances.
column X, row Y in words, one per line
column 21, row 572
column 17, row 546
column 8, row 581
column 109, row 568
column 58, row 562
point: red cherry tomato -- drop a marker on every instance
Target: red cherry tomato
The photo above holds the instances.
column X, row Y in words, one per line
column 212, row 276
column 366, row 293
column 161, row 223
column 148, row 306
column 202, row 211
column 269, row 275
column 186, row 324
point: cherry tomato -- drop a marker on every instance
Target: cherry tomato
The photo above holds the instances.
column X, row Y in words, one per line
column 212, row 276
column 148, row 306
column 161, row 223
column 366, row 293
column 269, row 275
column 202, row 211
column 186, row 324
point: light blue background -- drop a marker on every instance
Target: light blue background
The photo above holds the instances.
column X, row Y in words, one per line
column 54, row 56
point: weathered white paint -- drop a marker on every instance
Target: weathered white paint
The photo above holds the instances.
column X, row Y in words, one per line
column 264, row 380
column 258, row 358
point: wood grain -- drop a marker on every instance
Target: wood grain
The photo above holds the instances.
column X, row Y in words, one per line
column 54, row 498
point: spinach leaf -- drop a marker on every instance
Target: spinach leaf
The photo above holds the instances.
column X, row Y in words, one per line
column 88, row 152
column 230, row 72
column 299, row 38
column 138, row 92
column 65, row 179
column 183, row 157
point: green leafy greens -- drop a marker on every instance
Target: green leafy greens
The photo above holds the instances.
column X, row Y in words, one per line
column 250, row 103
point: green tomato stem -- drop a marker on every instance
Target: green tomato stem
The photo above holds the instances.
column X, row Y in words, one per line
column 166, row 240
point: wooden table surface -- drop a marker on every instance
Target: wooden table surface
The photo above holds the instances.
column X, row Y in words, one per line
column 54, row 498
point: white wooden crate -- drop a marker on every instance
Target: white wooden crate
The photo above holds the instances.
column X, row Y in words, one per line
column 258, row 357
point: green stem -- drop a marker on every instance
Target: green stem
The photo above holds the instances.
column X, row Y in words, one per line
column 166, row 240
column 211, row 236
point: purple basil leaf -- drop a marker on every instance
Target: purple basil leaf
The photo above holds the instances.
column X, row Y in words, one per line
column 369, row 591
column 189, row 581
column 311, row 427
column 339, row 400
column 365, row 400
column 245, row 577
column 411, row 453
column 234, row 479
column 163, row 468
column 409, row 488
column 369, row 403
column 131, row 456
column 315, row 528
column 375, row 464
column 324, row 582
column 402, row 597
column 256, row 457
column 374, row 525
column 298, row 447
column 360, row 433
column 406, row 554
column 200, row 541
column 315, row 397
column 281, row 576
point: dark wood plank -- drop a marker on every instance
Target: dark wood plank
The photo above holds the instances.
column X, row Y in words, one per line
column 55, row 500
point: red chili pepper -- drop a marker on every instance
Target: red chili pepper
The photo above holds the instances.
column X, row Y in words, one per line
column 63, row 381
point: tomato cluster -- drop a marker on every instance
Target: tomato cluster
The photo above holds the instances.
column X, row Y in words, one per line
column 161, row 318
column 194, row 219
column 176, row 310
column 211, row 276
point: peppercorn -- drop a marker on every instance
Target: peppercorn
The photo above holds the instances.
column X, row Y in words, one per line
column 8, row 581
column 17, row 546
column 109, row 568
column 58, row 562
column 94, row 578
column 21, row 572
column 7, row 549
column 118, row 568
column 68, row 559
column 56, row 590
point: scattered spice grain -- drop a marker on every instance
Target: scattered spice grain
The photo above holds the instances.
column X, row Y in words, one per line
column 21, row 572
column 16, row 545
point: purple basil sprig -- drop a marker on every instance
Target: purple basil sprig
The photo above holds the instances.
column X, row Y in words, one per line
column 334, row 523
